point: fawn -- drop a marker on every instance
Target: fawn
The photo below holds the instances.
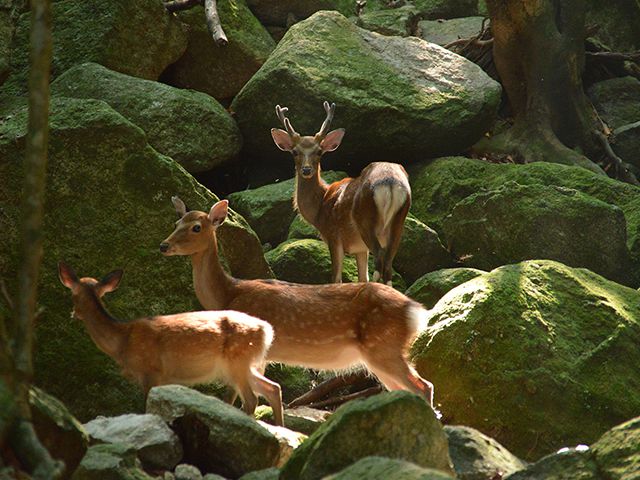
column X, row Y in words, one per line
column 318, row 326
column 353, row 215
column 186, row 348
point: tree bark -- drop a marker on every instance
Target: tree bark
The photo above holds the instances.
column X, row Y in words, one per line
column 539, row 53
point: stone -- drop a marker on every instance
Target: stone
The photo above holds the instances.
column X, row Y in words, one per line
column 568, row 464
column 135, row 37
column 442, row 32
column 59, row 431
column 617, row 100
column 432, row 286
column 266, row 474
column 476, row 456
column 188, row 126
column 221, row 71
column 300, row 229
column 157, row 446
column 299, row 419
column 108, row 206
column 187, row 472
column 537, row 355
column 269, row 209
column 216, row 437
column 288, row 439
column 420, row 99
column 618, row 23
column 110, row 461
column 617, row 452
column 626, row 143
column 401, row 21
column 397, row 424
column 380, row 468
column 436, row 9
column 524, row 222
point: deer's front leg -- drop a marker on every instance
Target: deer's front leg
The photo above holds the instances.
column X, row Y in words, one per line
column 337, row 256
column 362, row 260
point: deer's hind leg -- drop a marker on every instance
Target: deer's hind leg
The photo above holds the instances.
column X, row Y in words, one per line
column 269, row 390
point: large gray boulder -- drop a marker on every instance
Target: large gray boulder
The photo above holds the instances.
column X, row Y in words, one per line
column 538, row 355
column 216, row 437
column 190, row 127
column 135, row 37
column 381, row 468
column 221, row 71
column 401, row 21
column 432, row 286
column 420, row 99
column 111, row 461
column 157, row 446
column 108, row 206
column 442, row 32
column 394, row 424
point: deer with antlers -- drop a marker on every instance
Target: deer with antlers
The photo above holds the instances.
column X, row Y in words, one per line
column 353, row 215
column 330, row 327
column 186, row 348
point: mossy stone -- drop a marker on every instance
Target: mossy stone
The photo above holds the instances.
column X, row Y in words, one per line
column 617, row 452
column 300, row 419
column 617, row 100
column 395, row 21
column 442, row 32
column 110, row 461
column 107, row 206
column 439, row 185
column 265, row 474
column 396, row 424
column 537, row 355
column 135, row 37
column 431, row 287
column 300, row 229
column 420, row 99
column 626, row 143
column 190, row 127
column 221, row 71
column 436, row 9
column 568, row 464
column 523, row 222
column 618, row 23
column 381, row 468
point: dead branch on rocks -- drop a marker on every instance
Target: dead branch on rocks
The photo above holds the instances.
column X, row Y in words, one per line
column 478, row 48
column 339, row 400
column 324, row 389
column 211, row 15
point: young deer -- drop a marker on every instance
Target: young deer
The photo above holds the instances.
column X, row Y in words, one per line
column 353, row 215
column 329, row 327
column 186, row 348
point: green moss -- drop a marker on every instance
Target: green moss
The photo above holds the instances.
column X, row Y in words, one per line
column 617, row 452
column 300, row 229
column 396, row 21
column 537, row 355
column 381, row 468
column 431, row 287
column 294, row 381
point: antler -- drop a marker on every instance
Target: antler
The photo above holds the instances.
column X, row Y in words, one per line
column 280, row 112
column 331, row 110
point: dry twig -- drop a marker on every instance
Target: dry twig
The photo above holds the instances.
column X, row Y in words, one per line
column 346, row 398
column 325, row 388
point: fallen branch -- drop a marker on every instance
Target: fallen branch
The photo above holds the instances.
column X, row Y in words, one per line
column 213, row 22
column 618, row 56
column 476, row 40
column 621, row 172
column 346, row 398
column 325, row 388
column 178, row 5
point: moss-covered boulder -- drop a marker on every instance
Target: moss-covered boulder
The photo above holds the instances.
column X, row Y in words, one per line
column 567, row 464
column 442, row 32
column 443, row 9
column 381, row 468
column 59, row 431
column 537, row 355
column 522, row 222
column 110, row 461
column 269, row 209
column 300, row 229
column 439, row 185
column 401, row 21
column 626, row 143
column 107, row 206
column 300, row 419
column 394, row 424
column 617, row 100
column 284, row 13
column 431, row 287
column 216, row 436
column 420, row 99
column 618, row 23
column 190, row 127
column 420, row 251
column 272, row 473
column 478, row 457
column 221, row 71
column 136, row 37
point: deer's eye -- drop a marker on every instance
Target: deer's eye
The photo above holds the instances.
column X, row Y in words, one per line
column 196, row 228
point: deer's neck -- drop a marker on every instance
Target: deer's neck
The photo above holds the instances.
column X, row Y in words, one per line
column 212, row 284
column 108, row 333
column 308, row 196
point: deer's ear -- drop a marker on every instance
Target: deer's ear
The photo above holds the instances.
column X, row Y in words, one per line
column 218, row 213
column 332, row 140
column 181, row 208
column 282, row 139
column 110, row 281
column 67, row 276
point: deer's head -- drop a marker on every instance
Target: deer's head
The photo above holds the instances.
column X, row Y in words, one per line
column 307, row 150
column 194, row 230
column 87, row 286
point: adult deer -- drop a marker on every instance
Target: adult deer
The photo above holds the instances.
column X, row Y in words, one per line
column 353, row 215
column 329, row 327
column 186, row 348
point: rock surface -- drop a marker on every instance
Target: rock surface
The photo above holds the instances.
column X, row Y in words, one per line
column 626, row 143
column 108, row 206
column 216, row 437
column 221, row 71
column 396, row 424
column 617, row 100
column 420, row 99
column 381, row 468
column 431, row 287
column 112, row 461
column 537, row 355
column 618, row 23
column 401, row 21
column 300, row 419
column 442, row 32
column 190, row 127
column 157, row 446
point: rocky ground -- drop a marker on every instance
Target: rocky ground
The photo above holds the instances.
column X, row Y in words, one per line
column 530, row 271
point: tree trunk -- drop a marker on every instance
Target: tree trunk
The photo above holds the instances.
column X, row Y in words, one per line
column 539, row 53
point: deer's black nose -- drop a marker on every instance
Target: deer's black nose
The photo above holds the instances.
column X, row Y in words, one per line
column 164, row 247
column 306, row 170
